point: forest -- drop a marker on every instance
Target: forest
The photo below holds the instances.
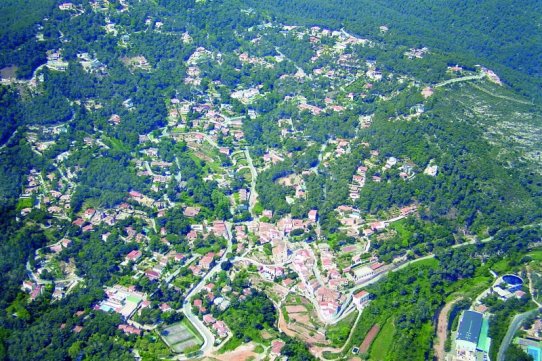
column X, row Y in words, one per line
column 483, row 188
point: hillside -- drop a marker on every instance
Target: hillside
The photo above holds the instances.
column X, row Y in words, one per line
column 230, row 179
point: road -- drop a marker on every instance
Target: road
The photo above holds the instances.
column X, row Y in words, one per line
column 9, row 139
column 531, row 288
column 320, row 156
column 205, row 136
column 254, row 175
column 379, row 276
column 208, row 337
column 442, row 330
column 256, row 263
column 458, row 80
column 512, row 329
column 502, row 96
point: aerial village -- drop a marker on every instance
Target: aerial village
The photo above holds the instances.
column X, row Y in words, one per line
column 327, row 284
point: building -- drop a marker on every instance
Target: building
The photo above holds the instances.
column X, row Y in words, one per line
column 469, row 331
column 361, row 299
column 472, row 342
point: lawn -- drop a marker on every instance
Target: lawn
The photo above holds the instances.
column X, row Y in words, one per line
column 24, row 203
column 383, row 342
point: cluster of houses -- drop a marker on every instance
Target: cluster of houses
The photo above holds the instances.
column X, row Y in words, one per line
column 326, row 296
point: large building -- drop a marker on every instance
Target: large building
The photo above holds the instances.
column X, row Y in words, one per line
column 469, row 331
column 472, row 342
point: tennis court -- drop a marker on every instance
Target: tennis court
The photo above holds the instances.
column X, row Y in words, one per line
column 178, row 337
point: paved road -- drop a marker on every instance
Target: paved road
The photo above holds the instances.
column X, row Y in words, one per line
column 208, row 337
column 205, row 136
column 254, row 175
column 512, row 329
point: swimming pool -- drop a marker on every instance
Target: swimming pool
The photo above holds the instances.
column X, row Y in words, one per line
column 534, row 352
column 512, row 280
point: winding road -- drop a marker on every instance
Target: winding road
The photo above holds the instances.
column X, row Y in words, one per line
column 208, row 337
column 512, row 329
column 254, row 175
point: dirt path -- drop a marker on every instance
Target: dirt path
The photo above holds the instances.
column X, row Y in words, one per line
column 241, row 353
column 442, row 329
column 502, row 96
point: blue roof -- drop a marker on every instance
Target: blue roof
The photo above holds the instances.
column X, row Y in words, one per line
column 470, row 326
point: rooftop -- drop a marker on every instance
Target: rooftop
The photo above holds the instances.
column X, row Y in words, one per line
column 470, row 326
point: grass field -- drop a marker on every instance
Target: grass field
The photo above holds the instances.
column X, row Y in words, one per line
column 383, row 342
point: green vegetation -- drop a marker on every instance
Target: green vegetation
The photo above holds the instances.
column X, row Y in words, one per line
column 411, row 296
column 110, row 122
column 382, row 342
column 502, row 314
column 247, row 318
column 457, row 27
column 339, row 332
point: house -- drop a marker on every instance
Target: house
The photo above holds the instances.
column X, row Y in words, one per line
column 133, row 256
column 431, row 170
column 427, row 92
column 89, row 213
column 378, row 226
column 276, row 347
column 267, row 213
column 129, row 330
column 209, row 287
column 224, row 150
column 78, row 329
column 468, row 333
column 208, row 319
column 115, row 119
column 152, row 274
column 219, row 228
column 313, row 215
column 199, row 305
column 196, row 270
column 66, row 6
column 221, row 329
column 164, row 307
column 191, row 211
column 361, row 298
column 207, row 260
